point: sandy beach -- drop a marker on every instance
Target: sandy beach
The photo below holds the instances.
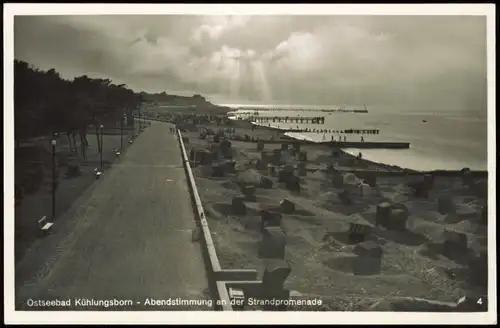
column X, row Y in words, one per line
column 423, row 262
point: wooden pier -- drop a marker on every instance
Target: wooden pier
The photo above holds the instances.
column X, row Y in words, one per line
column 288, row 119
column 339, row 144
column 369, row 145
column 324, row 110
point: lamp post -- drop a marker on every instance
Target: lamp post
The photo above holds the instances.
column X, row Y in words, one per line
column 102, row 129
column 121, row 134
column 54, row 142
column 140, row 123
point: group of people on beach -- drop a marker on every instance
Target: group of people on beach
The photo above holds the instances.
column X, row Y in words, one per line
column 340, row 138
column 333, row 138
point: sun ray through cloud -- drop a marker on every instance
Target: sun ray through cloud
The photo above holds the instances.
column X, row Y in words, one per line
column 261, row 82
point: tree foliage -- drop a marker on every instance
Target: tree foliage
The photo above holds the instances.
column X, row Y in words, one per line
column 46, row 103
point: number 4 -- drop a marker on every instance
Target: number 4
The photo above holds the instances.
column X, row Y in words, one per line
column 480, row 301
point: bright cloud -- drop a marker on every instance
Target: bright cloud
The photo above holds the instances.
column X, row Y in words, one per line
column 282, row 59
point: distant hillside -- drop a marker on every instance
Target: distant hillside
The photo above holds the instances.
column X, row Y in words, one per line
column 174, row 100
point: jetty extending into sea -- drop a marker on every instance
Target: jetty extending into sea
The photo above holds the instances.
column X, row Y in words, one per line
column 338, row 144
column 288, row 119
column 324, row 110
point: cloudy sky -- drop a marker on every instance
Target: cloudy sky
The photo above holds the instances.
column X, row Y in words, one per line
column 400, row 61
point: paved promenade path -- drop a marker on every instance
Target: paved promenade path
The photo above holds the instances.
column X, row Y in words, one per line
column 126, row 238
